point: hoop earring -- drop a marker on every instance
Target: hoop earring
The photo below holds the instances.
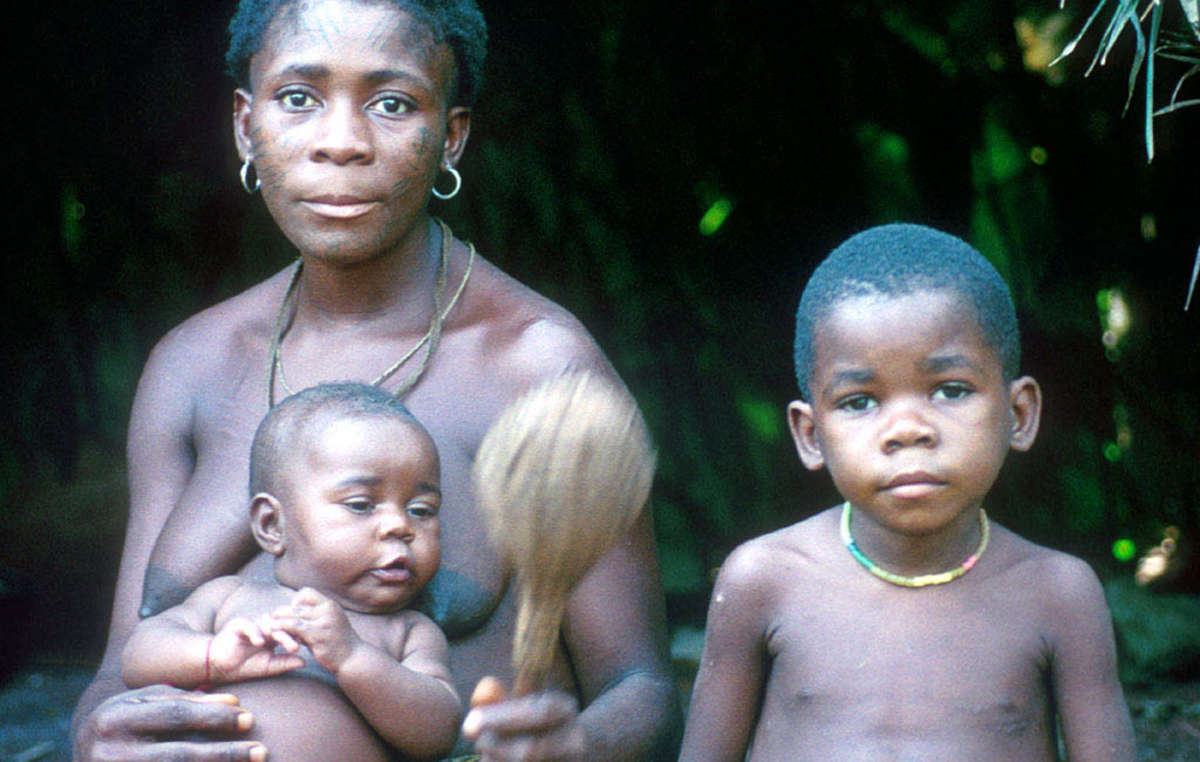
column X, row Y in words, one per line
column 246, row 171
column 457, row 185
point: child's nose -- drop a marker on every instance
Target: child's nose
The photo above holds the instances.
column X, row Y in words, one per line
column 908, row 426
column 394, row 522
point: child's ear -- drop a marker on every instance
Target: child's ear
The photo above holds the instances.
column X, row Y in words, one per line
column 1025, row 396
column 266, row 523
column 804, row 434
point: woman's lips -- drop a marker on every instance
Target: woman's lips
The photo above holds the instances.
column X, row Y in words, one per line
column 339, row 207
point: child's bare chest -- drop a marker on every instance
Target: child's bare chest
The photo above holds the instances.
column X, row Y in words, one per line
column 911, row 669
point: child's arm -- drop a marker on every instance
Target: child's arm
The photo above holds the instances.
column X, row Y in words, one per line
column 407, row 694
column 1090, row 705
column 178, row 647
column 726, row 693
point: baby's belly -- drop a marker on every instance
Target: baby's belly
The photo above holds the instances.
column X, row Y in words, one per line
column 300, row 718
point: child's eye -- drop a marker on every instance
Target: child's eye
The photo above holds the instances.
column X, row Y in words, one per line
column 360, row 505
column 951, row 391
column 422, row 510
column 296, row 100
column 856, row 403
column 391, row 105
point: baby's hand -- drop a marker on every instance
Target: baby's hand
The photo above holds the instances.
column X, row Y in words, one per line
column 320, row 624
column 245, row 650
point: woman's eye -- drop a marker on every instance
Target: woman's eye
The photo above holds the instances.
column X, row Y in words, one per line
column 392, row 106
column 856, row 403
column 297, row 100
column 951, row 391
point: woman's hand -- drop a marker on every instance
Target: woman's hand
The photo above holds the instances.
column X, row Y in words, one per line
column 540, row 726
column 152, row 723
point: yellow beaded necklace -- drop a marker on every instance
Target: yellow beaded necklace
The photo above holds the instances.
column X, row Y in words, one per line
column 922, row 580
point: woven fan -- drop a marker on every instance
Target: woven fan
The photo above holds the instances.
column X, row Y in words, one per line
column 561, row 474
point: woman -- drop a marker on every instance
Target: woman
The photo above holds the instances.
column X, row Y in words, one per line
column 348, row 114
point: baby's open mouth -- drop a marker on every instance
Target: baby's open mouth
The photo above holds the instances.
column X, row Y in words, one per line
column 393, row 571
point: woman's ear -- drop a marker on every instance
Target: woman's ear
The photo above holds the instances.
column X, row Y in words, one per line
column 1025, row 396
column 266, row 523
column 458, row 129
column 242, row 102
column 804, row 434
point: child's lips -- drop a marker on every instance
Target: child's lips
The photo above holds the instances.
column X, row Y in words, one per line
column 913, row 484
column 393, row 572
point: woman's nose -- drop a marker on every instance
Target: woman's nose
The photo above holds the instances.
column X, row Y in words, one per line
column 343, row 136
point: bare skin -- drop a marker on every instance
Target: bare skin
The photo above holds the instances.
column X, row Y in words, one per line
column 363, row 300
column 391, row 667
column 353, row 525
column 809, row 656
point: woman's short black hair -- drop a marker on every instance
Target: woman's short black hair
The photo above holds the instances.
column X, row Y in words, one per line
column 899, row 259
column 458, row 23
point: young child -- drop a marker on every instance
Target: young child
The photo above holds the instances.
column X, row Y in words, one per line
column 905, row 624
column 345, row 496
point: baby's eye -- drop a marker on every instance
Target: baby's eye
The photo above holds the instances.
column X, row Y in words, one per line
column 856, row 403
column 296, row 100
column 359, row 505
column 391, row 105
column 952, row 391
column 422, row 510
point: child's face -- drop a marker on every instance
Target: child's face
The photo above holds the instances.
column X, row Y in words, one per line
column 360, row 514
column 909, row 409
column 347, row 121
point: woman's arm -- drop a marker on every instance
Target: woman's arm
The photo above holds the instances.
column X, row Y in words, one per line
column 110, row 723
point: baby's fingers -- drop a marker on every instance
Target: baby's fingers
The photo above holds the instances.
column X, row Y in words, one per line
column 277, row 628
column 246, row 630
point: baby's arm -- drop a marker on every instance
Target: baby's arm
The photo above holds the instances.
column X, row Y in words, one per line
column 179, row 648
column 1095, row 720
column 404, row 691
column 727, row 689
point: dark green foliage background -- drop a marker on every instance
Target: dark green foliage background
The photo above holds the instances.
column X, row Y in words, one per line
column 605, row 131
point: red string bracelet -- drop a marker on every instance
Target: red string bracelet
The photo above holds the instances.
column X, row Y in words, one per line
column 207, row 684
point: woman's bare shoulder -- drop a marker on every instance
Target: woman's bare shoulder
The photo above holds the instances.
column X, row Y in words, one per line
column 228, row 332
column 533, row 336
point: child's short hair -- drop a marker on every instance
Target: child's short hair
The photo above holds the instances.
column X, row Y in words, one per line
column 458, row 23
column 899, row 259
column 290, row 424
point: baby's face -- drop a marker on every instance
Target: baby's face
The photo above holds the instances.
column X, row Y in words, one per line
column 361, row 514
column 909, row 408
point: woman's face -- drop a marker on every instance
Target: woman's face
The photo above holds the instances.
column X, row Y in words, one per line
column 348, row 122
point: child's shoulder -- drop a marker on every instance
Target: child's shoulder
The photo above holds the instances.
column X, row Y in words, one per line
column 797, row 550
column 1050, row 574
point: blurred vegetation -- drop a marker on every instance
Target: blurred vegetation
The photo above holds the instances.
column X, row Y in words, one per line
column 672, row 177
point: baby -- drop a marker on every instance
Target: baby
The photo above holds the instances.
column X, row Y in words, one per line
column 345, row 496
column 905, row 624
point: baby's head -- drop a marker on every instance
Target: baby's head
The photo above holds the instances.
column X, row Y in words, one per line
column 455, row 23
column 345, row 493
column 901, row 259
column 907, row 355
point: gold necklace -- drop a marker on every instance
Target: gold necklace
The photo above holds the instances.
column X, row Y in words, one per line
column 431, row 337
